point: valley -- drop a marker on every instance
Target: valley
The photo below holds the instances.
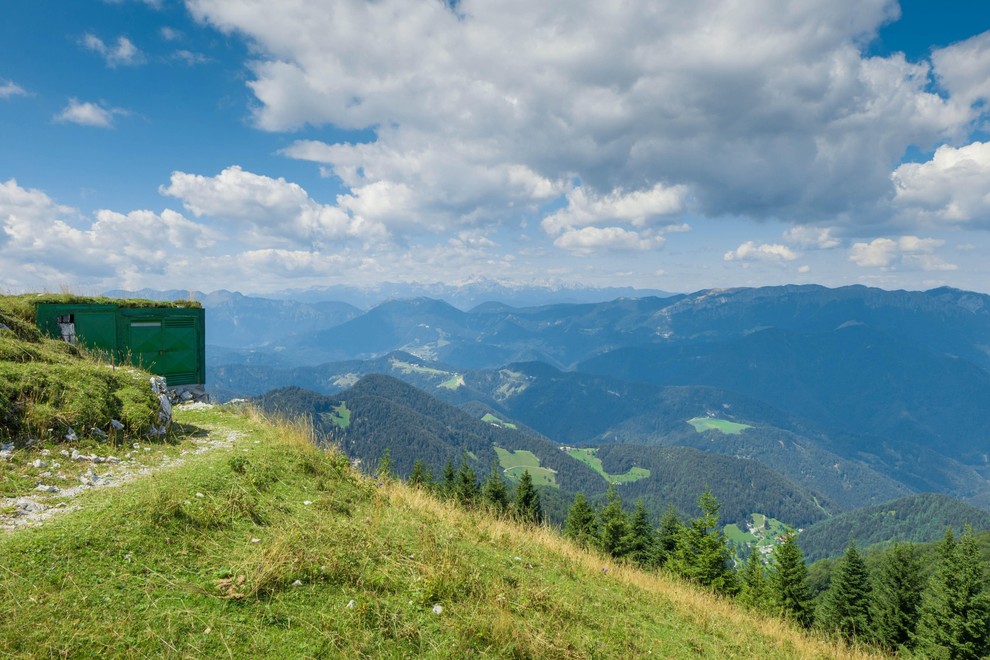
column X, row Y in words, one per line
column 852, row 393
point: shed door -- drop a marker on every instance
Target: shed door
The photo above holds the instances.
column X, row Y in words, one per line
column 97, row 329
column 146, row 344
column 179, row 343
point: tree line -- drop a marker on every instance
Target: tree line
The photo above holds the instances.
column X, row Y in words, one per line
column 899, row 606
column 462, row 486
column 894, row 607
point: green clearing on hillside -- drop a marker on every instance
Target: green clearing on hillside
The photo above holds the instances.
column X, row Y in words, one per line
column 341, row 415
column 516, row 462
column 587, row 456
column 702, row 424
column 274, row 548
column 409, row 368
column 454, row 382
column 513, row 383
column 492, row 419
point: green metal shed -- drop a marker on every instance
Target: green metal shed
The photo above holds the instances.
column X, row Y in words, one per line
column 167, row 341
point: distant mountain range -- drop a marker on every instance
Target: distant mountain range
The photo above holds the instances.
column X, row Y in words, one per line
column 859, row 395
column 470, row 294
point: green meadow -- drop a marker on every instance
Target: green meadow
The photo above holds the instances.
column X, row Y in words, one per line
column 587, row 456
column 516, row 462
column 702, row 424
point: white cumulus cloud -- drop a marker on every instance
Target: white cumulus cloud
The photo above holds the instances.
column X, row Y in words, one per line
column 488, row 109
column 9, row 88
column 189, row 57
column 907, row 251
column 767, row 252
column 121, row 53
column 953, row 187
column 268, row 210
column 637, row 208
column 86, row 113
column 44, row 241
column 440, row 184
column 588, row 240
column 809, row 237
column 962, row 69
column 878, row 252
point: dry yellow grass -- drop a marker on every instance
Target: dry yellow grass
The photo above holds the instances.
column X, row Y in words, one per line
column 704, row 609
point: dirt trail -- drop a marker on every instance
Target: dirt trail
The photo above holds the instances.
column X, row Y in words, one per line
column 36, row 508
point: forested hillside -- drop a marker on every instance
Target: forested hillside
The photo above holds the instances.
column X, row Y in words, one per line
column 679, row 474
column 916, row 518
column 577, row 408
column 385, row 414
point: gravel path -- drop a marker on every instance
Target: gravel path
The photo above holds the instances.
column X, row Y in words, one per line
column 33, row 510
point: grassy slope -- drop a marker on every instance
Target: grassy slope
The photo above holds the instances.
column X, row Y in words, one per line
column 702, row 424
column 48, row 386
column 517, row 461
column 587, row 456
column 169, row 566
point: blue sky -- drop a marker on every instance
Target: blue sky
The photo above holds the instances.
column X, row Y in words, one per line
column 262, row 146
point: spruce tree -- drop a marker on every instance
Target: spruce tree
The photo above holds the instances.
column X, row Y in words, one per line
column 845, row 608
column 449, row 486
column 495, row 493
column 955, row 611
column 754, row 587
column 701, row 554
column 527, row 505
column 421, row 475
column 788, row 582
column 897, row 587
column 466, row 488
column 612, row 525
column 581, row 525
column 665, row 540
column 384, row 468
column 638, row 542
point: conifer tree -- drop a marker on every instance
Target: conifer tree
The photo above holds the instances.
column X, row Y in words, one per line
column 581, row 525
column 754, row 587
column 897, row 587
column 384, row 468
column 845, row 608
column 466, row 488
column 449, row 486
column 701, row 554
column 955, row 611
column 421, row 475
column 665, row 540
column 495, row 493
column 612, row 525
column 638, row 542
column 788, row 582
column 527, row 505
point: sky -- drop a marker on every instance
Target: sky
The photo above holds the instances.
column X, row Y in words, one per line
column 261, row 146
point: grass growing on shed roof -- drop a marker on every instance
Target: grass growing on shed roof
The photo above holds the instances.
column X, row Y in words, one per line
column 24, row 304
